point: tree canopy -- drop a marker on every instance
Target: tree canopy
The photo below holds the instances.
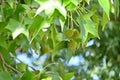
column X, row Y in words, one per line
column 61, row 30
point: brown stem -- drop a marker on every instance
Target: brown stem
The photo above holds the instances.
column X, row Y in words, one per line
column 23, row 62
column 3, row 62
column 28, row 65
column 7, row 65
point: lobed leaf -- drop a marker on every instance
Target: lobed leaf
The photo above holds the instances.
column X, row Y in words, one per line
column 105, row 5
column 17, row 28
column 49, row 6
column 87, row 26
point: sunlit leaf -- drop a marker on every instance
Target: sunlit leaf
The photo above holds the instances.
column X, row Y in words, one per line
column 71, row 6
column 76, row 2
column 48, row 78
column 10, row 2
column 49, row 6
column 105, row 5
column 104, row 20
column 66, row 2
column 17, row 28
column 87, row 1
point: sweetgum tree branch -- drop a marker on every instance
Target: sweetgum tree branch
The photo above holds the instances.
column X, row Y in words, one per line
column 5, row 65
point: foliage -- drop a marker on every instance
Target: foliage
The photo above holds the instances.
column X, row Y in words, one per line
column 58, row 28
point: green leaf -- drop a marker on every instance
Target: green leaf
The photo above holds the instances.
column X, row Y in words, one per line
column 60, row 37
column 19, row 9
column 60, row 45
column 2, row 26
column 3, row 42
column 17, row 28
column 21, row 67
column 87, row 1
column 68, row 76
column 68, row 55
column 56, row 77
column 116, row 7
column 87, row 26
column 62, row 22
column 71, row 6
column 38, row 24
column 6, row 55
column 10, row 2
column 53, row 35
column 5, row 76
column 75, row 2
column 28, row 1
column 104, row 20
column 27, row 75
column 27, row 21
column 49, row 6
column 6, row 12
column 66, row 2
column 12, row 47
column 105, row 4
column 48, row 78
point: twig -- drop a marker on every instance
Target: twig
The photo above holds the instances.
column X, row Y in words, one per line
column 12, row 68
column 49, row 65
column 23, row 62
column 7, row 65
column 28, row 65
column 73, row 20
column 41, row 71
column 3, row 62
column 15, row 3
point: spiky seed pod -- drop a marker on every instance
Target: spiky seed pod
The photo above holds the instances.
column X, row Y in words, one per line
column 69, row 33
column 72, row 45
